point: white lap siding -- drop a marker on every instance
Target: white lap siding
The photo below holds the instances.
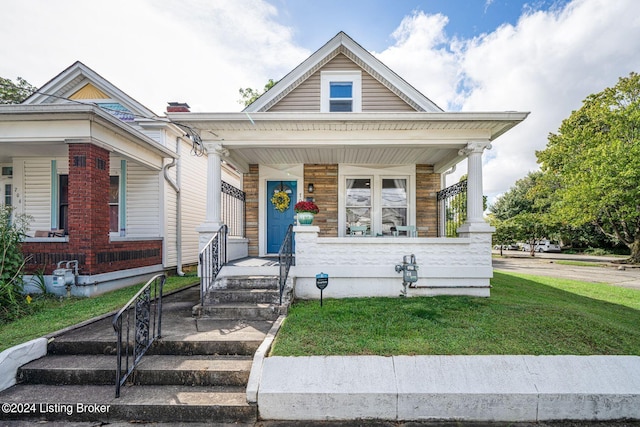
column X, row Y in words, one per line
column 143, row 201
column 37, row 193
column 194, row 201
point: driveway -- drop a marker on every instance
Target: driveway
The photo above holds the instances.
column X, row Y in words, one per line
column 544, row 264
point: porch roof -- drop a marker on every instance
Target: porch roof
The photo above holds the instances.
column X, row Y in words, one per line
column 45, row 130
column 358, row 138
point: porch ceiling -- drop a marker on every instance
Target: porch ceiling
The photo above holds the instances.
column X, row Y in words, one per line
column 357, row 138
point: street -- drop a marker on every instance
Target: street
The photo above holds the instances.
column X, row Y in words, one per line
column 544, row 264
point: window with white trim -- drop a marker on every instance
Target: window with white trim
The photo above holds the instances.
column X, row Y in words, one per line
column 379, row 198
column 341, row 91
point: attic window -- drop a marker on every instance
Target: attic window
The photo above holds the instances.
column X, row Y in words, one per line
column 341, row 91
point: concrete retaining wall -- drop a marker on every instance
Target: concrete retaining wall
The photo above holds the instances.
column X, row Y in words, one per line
column 12, row 358
column 473, row 388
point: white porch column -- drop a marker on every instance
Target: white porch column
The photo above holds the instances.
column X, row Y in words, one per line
column 475, row 221
column 213, row 217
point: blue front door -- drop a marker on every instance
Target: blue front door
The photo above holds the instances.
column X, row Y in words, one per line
column 279, row 217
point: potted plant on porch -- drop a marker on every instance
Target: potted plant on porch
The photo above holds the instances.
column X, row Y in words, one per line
column 306, row 211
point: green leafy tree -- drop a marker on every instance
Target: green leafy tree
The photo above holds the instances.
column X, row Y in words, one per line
column 249, row 95
column 12, row 232
column 15, row 93
column 521, row 212
column 594, row 163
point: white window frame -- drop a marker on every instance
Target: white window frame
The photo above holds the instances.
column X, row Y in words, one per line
column 354, row 77
column 376, row 174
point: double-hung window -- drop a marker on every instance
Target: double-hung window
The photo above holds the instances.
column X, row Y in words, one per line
column 341, row 91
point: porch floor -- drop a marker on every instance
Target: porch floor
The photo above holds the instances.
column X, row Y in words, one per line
column 254, row 262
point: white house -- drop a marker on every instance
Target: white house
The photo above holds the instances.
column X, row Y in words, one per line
column 372, row 152
column 106, row 182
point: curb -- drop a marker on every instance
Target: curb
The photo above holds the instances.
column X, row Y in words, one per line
column 258, row 360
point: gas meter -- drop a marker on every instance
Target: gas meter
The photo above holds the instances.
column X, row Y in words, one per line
column 65, row 277
column 409, row 271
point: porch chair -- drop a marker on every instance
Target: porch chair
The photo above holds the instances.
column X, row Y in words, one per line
column 409, row 230
column 354, row 230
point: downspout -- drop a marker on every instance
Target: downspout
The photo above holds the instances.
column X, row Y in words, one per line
column 176, row 186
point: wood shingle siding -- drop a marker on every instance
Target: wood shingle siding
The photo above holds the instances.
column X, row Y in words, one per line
column 427, row 186
column 325, row 181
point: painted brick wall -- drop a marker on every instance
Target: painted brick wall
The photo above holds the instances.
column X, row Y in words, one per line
column 325, row 194
column 251, row 187
column 427, row 185
column 89, row 224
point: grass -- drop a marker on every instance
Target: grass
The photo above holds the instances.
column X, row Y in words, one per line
column 51, row 314
column 578, row 263
column 524, row 315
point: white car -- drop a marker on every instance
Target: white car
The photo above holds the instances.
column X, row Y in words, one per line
column 543, row 246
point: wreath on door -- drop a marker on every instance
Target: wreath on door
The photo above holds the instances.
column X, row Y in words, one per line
column 280, row 200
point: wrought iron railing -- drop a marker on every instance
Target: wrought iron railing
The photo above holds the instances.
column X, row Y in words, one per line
column 212, row 257
column 452, row 209
column 233, row 209
column 137, row 325
column 286, row 258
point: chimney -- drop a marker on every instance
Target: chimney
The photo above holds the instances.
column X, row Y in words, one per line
column 178, row 107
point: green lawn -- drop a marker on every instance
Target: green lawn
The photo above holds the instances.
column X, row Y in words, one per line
column 524, row 315
column 52, row 314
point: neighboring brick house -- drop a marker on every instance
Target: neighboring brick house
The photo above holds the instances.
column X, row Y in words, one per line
column 97, row 174
column 372, row 151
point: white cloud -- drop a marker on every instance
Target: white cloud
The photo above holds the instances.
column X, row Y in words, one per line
column 196, row 51
column 546, row 64
column 421, row 55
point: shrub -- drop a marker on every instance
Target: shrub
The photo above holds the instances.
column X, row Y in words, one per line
column 12, row 232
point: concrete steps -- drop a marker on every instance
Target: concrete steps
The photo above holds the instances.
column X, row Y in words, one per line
column 171, row 404
column 242, row 297
column 152, row 370
column 197, row 372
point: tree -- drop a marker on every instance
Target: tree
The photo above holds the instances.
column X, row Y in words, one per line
column 594, row 161
column 249, row 95
column 521, row 213
column 15, row 93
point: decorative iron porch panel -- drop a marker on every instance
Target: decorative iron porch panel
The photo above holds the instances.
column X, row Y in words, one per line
column 233, row 209
column 452, row 209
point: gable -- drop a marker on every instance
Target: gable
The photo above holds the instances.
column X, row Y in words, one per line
column 89, row 91
column 343, row 48
column 307, row 97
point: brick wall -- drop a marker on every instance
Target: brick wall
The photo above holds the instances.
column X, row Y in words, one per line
column 89, row 224
column 325, row 194
column 251, row 183
column 427, row 185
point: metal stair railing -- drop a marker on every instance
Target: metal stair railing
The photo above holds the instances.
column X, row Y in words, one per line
column 212, row 258
column 140, row 321
column 286, row 258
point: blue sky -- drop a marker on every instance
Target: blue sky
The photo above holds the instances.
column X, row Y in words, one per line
column 371, row 22
column 540, row 56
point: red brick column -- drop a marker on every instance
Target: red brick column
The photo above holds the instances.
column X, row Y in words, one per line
column 88, row 202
